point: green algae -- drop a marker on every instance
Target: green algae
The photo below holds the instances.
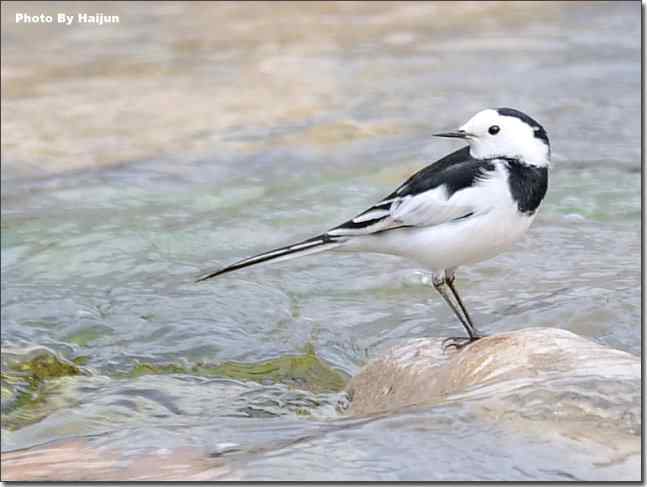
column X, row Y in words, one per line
column 81, row 360
column 28, row 380
column 306, row 371
column 146, row 368
column 32, row 380
column 43, row 366
column 86, row 335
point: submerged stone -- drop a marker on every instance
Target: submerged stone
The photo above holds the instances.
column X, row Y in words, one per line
column 306, row 371
column 28, row 380
column 86, row 335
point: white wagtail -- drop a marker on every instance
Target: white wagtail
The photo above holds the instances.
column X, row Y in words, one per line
column 464, row 208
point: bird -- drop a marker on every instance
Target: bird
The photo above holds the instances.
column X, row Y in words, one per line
column 466, row 207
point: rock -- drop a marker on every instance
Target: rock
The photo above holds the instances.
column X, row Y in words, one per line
column 420, row 372
column 78, row 460
column 546, row 383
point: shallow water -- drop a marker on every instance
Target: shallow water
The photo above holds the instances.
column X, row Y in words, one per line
column 127, row 171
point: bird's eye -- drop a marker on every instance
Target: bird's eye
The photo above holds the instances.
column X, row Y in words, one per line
column 494, row 129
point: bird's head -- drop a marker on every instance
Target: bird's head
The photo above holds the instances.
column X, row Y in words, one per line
column 505, row 132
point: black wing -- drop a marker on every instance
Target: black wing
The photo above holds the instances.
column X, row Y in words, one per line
column 423, row 199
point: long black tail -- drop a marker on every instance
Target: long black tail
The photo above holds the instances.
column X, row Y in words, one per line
column 300, row 249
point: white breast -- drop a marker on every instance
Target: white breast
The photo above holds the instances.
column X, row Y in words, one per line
column 495, row 225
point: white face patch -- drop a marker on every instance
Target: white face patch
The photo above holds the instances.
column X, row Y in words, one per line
column 514, row 138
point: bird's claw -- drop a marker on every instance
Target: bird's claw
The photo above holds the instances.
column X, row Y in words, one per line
column 457, row 342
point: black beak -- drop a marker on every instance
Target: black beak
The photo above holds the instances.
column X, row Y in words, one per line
column 456, row 134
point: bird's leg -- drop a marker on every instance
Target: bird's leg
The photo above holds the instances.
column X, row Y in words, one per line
column 439, row 284
column 449, row 279
column 456, row 342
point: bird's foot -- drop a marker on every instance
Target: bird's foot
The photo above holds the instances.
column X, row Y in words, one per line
column 458, row 342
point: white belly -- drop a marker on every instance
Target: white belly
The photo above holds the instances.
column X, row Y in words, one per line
column 449, row 245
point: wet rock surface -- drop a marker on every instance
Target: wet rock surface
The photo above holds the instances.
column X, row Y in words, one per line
column 76, row 460
column 421, row 372
column 543, row 382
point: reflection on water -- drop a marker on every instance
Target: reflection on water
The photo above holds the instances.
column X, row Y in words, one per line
column 137, row 154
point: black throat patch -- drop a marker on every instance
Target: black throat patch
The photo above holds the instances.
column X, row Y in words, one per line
column 528, row 185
